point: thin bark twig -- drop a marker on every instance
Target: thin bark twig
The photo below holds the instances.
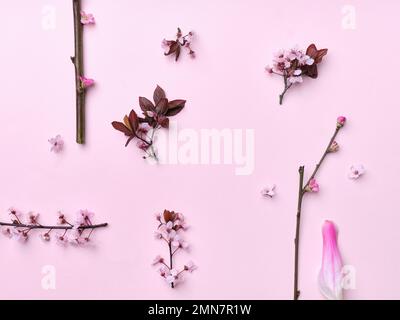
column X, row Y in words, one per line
column 77, row 60
column 302, row 191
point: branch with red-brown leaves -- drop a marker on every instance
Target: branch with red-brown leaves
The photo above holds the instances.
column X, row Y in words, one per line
column 155, row 116
column 173, row 47
column 78, row 233
column 170, row 227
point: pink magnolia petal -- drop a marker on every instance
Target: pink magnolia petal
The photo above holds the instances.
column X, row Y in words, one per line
column 330, row 275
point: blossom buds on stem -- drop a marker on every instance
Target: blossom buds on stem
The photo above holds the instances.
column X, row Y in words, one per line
column 311, row 186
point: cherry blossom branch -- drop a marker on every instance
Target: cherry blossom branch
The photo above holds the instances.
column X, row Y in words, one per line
column 310, row 186
column 77, row 60
column 76, row 232
column 81, row 82
column 54, row 227
column 171, row 224
column 296, row 293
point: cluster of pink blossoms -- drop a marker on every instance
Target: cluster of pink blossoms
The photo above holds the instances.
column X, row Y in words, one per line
column 77, row 233
column 171, row 225
column 293, row 64
column 289, row 63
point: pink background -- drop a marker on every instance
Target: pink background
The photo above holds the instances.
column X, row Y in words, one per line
column 243, row 244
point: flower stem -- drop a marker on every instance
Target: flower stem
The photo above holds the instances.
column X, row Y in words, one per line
column 77, row 60
column 302, row 191
column 287, row 87
column 296, row 292
column 170, row 260
column 318, row 165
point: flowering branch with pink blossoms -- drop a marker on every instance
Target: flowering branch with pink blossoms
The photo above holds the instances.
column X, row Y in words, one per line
column 78, row 233
column 293, row 64
column 310, row 186
column 81, row 82
column 174, row 46
column 171, row 225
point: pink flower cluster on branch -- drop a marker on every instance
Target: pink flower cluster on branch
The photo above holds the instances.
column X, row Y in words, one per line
column 293, row 64
column 77, row 232
column 311, row 186
column 170, row 229
column 182, row 41
column 155, row 116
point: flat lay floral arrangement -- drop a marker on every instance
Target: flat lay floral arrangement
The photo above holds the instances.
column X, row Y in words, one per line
column 133, row 125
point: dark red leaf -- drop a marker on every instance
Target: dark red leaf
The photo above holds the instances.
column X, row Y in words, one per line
column 174, row 107
column 133, row 120
column 311, row 50
column 159, row 94
column 311, row 71
column 168, row 216
column 177, row 52
column 321, row 53
column 129, row 140
column 162, row 106
column 121, row 127
column 172, row 48
column 145, row 104
column 316, row 54
column 163, row 122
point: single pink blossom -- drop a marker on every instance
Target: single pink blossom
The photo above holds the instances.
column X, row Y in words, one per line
column 14, row 213
column 269, row 69
column 61, row 218
column 158, row 235
column 84, row 217
column 297, row 79
column 334, row 147
column 33, row 218
column 142, row 145
column 179, row 224
column 178, row 242
column 192, row 54
column 57, row 144
column 165, row 43
column 157, row 216
column 87, row 18
column 330, row 275
column 20, row 235
column 341, row 120
column 172, row 277
column 86, row 82
column 45, row 236
column 62, row 239
column 190, row 266
column 157, row 260
column 268, row 191
column 312, row 186
column 163, row 271
column 7, row 231
column 356, row 171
